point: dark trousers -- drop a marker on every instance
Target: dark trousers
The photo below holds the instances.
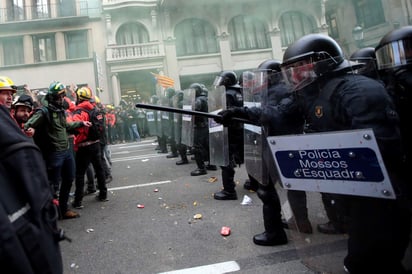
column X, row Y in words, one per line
column 84, row 156
column 272, row 209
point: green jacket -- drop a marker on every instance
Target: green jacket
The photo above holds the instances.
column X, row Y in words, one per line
column 57, row 125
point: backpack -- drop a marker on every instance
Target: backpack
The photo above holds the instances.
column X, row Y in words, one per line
column 29, row 235
column 96, row 117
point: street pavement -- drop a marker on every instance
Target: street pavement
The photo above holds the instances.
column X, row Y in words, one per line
column 159, row 219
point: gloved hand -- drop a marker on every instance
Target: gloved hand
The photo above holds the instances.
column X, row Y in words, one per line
column 225, row 117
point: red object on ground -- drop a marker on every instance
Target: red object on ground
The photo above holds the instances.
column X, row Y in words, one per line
column 225, row 231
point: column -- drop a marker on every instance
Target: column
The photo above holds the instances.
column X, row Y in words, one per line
column 60, row 46
column 225, row 53
column 28, row 49
column 276, row 43
column 115, row 93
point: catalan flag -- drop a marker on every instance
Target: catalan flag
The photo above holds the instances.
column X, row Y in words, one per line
column 164, row 81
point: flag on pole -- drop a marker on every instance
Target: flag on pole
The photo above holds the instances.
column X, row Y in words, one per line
column 164, row 81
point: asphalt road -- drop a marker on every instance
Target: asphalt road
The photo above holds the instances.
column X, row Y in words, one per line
column 159, row 219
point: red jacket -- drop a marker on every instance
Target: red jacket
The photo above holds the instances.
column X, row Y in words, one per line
column 82, row 116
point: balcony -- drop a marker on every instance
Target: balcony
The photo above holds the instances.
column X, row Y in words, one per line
column 24, row 13
column 134, row 52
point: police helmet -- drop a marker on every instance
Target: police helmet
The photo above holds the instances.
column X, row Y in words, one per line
column 179, row 95
column 226, row 78
column 310, row 57
column 154, row 99
column 198, row 89
column 246, row 78
column 367, row 58
column 170, row 92
column 395, row 49
column 270, row 65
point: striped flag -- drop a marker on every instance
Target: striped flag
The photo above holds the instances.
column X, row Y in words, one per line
column 164, row 81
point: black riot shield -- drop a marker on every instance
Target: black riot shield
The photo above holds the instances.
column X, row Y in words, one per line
column 187, row 120
column 218, row 135
column 254, row 88
column 315, row 166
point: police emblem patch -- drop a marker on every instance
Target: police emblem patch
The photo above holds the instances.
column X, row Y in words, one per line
column 318, row 111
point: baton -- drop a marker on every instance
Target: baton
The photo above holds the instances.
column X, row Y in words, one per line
column 189, row 112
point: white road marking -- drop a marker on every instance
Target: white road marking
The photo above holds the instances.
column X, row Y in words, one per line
column 140, row 185
column 137, row 157
column 218, row 268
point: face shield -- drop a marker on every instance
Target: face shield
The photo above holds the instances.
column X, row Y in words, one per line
column 394, row 54
column 218, row 81
column 299, row 74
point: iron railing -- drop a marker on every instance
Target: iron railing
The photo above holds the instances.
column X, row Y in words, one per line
column 16, row 13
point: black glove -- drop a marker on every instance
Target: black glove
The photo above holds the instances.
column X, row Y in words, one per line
column 225, row 117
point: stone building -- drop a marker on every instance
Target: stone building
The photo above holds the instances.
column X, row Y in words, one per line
column 116, row 46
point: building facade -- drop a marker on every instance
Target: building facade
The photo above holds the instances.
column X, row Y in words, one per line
column 116, row 46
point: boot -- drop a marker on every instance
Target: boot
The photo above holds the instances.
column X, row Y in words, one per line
column 274, row 233
column 271, row 239
column 198, row 171
column 228, row 192
column 251, row 185
column 182, row 162
column 225, row 195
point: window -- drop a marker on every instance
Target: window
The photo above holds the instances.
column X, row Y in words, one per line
column 332, row 25
column 15, row 10
column 247, row 33
column 369, row 12
column 294, row 25
column 195, row 36
column 76, row 44
column 132, row 33
column 44, row 48
column 67, row 7
column 40, row 9
column 13, row 52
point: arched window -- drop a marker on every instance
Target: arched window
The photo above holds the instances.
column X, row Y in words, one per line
column 195, row 36
column 294, row 25
column 132, row 33
column 247, row 33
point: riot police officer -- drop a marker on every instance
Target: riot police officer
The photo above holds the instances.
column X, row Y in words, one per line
column 168, row 124
column 201, row 130
column 181, row 148
column 235, row 135
column 278, row 99
column 396, row 72
column 366, row 57
column 333, row 98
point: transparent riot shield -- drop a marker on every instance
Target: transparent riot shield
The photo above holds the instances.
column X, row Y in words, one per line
column 312, row 165
column 254, row 87
column 166, row 117
column 218, row 134
column 151, row 118
column 187, row 120
column 177, row 117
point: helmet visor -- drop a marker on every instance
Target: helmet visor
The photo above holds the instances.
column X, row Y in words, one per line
column 299, row 74
column 394, row 54
column 218, row 81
